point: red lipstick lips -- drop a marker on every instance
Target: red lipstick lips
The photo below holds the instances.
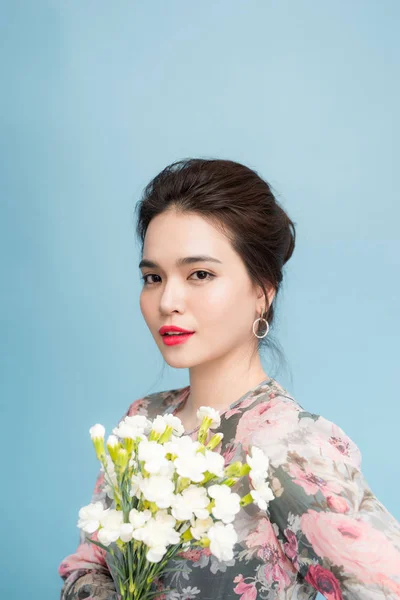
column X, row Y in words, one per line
column 178, row 335
column 167, row 328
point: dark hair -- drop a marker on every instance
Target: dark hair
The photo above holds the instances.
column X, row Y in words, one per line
column 240, row 203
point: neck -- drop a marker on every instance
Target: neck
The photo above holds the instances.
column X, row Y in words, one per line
column 220, row 383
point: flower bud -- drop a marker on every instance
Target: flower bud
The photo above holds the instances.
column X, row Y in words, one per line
column 209, row 419
column 97, row 434
column 207, row 477
column 128, row 444
column 214, row 441
column 187, row 535
column 212, row 416
column 183, row 482
column 234, row 469
column 113, row 446
column 154, row 436
column 210, row 505
column 203, row 431
column 245, row 470
column 165, row 436
column 247, row 499
column 122, row 458
column 97, row 431
column 120, row 544
column 230, row 481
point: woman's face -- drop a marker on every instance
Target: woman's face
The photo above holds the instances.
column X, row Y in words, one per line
column 214, row 299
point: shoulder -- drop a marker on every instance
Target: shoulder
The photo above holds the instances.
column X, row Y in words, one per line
column 282, row 427
column 150, row 404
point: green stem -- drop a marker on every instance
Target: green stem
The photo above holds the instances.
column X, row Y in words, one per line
column 130, row 562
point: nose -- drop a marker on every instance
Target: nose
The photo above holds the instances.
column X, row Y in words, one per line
column 172, row 299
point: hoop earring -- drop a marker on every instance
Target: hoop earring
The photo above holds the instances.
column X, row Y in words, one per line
column 267, row 327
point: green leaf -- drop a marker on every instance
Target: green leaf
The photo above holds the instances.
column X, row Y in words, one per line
column 148, row 595
column 106, row 548
column 115, row 567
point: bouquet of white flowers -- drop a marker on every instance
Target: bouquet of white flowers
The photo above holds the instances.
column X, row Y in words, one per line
column 169, row 492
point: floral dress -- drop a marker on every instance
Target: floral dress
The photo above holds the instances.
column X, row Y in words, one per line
column 324, row 531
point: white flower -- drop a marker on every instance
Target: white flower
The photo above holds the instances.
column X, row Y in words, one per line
column 159, row 424
column 97, row 431
column 193, row 500
column 112, row 441
column 156, row 553
column 139, row 422
column 111, row 522
column 215, row 463
column 191, row 465
column 258, row 462
column 158, row 489
column 256, row 478
column 167, row 469
column 136, row 481
column 89, row 517
column 222, row 540
column 179, row 510
column 136, row 520
column 133, row 427
column 161, row 421
column 125, row 532
column 227, row 503
column 188, row 462
column 157, row 533
column 182, row 446
column 139, row 517
column 124, row 431
column 153, row 454
column 176, row 424
column 200, row 527
column 262, row 494
column 165, row 520
column 207, row 411
column 172, row 444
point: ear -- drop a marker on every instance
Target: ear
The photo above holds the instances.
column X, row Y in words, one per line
column 271, row 295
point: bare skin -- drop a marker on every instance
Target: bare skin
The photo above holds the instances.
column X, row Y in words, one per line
column 216, row 300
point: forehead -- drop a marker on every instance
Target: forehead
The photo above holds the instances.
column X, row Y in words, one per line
column 175, row 234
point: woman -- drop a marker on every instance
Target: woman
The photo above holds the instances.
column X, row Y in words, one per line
column 214, row 243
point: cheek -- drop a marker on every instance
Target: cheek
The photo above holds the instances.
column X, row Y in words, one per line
column 217, row 304
column 145, row 307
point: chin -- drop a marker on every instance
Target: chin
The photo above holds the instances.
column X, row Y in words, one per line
column 173, row 359
column 177, row 362
column 185, row 361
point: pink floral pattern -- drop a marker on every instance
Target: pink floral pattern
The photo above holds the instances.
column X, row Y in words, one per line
column 325, row 531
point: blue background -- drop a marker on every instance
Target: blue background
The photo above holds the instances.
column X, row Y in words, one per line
column 97, row 98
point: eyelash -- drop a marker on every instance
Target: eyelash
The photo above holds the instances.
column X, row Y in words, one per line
column 145, row 282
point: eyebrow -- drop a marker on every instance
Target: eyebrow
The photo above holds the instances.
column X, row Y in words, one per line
column 187, row 260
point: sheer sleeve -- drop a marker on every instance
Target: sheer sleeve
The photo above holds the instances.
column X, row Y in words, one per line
column 85, row 572
column 339, row 536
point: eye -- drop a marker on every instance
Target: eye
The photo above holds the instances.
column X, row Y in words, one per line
column 144, row 278
column 146, row 282
column 210, row 275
